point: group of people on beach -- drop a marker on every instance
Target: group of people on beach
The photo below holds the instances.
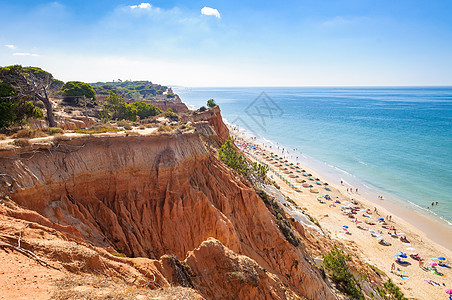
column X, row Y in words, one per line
column 350, row 190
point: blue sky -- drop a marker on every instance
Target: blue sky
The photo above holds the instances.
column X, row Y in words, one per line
column 233, row 43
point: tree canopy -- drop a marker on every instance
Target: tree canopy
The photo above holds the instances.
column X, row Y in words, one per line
column 140, row 90
column 20, row 88
column 145, row 110
column 74, row 91
column 211, row 103
column 14, row 112
column 117, row 109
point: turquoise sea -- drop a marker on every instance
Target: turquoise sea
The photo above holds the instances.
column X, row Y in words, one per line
column 392, row 141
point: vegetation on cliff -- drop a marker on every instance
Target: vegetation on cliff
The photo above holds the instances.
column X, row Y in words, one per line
column 211, row 103
column 140, row 90
column 115, row 108
column 335, row 264
column 232, row 158
column 78, row 93
column 390, row 291
column 20, row 89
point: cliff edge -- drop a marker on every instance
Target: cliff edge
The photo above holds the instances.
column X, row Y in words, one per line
column 161, row 209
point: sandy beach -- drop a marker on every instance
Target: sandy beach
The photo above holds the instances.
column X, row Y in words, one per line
column 364, row 225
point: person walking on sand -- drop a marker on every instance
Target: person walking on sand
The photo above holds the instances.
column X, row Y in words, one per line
column 392, row 267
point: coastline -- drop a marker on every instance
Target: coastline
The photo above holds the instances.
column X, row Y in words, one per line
column 433, row 227
column 430, row 240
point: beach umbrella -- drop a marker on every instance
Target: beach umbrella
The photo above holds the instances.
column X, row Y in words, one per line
column 345, row 226
column 433, row 264
column 449, row 291
column 400, row 255
column 411, row 249
column 381, row 219
column 441, row 258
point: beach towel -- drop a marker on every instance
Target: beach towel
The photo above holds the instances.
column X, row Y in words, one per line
column 431, row 282
column 437, row 273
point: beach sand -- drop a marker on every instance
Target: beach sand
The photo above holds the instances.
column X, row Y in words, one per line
column 361, row 242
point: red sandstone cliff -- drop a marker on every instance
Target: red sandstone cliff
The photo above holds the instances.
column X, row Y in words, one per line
column 151, row 196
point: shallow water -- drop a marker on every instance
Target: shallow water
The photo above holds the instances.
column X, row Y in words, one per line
column 393, row 141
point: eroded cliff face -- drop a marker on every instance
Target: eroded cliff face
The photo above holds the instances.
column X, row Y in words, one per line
column 150, row 196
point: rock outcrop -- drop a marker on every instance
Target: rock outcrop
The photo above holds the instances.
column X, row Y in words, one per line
column 151, row 196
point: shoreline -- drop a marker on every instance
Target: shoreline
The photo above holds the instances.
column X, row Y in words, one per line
column 433, row 227
column 416, row 280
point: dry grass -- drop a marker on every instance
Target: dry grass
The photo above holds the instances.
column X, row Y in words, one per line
column 164, row 128
column 125, row 124
column 30, row 133
column 132, row 133
column 55, row 130
column 97, row 130
column 101, row 287
column 22, row 142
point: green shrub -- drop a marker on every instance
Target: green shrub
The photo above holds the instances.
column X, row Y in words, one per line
column 118, row 254
column 211, row 103
column 97, row 130
column 164, row 128
column 391, row 291
column 170, row 114
column 77, row 93
column 145, row 110
column 230, row 156
column 337, row 268
column 55, row 130
column 283, row 224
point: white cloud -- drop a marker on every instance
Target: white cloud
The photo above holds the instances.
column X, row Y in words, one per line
column 143, row 5
column 11, row 46
column 209, row 11
column 24, row 54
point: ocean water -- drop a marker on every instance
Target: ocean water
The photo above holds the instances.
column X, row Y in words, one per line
column 394, row 141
